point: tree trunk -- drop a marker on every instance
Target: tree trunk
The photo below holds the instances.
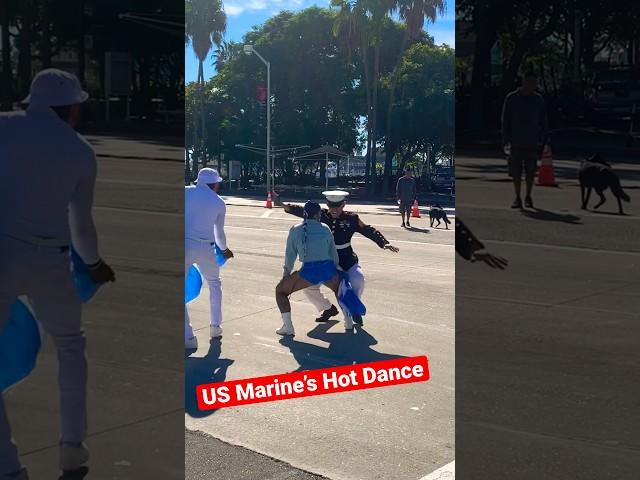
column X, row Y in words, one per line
column 374, row 116
column 367, row 86
column 24, row 46
column 45, row 39
column 389, row 144
column 486, row 38
column 7, row 76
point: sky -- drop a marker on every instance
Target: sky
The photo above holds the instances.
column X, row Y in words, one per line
column 242, row 15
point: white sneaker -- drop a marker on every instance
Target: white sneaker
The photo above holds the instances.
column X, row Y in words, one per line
column 72, row 457
column 215, row 332
column 21, row 475
column 348, row 323
column 285, row 330
column 191, row 343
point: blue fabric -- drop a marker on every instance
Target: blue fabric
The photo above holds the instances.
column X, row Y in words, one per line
column 192, row 284
column 193, row 280
column 318, row 272
column 20, row 340
column 19, row 346
column 219, row 256
column 349, row 299
column 84, row 285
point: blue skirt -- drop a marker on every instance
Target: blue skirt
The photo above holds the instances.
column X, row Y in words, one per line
column 318, row 272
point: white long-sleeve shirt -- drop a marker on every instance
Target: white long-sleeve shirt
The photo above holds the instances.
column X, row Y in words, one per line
column 47, row 180
column 204, row 213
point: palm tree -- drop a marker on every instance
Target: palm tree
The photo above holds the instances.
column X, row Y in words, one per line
column 363, row 20
column 226, row 52
column 413, row 13
column 7, row 77
column 205, row 25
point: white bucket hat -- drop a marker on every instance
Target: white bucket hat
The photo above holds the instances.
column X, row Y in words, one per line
column 209, row 176
column 55, row 88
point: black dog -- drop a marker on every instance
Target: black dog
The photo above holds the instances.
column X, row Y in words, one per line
column 596, row 173
column 437, row 213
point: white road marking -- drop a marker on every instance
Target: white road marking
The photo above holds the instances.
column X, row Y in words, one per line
column 580, row 213
column 448, row 472
column 266, row 214
column 178, row 184
column 139, row 211
column 355, row 239
column 293, row 219
column 561, row 247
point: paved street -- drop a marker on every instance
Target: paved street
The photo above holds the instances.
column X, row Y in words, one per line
column 402, row 432
column 545, row 349
column 134, row 327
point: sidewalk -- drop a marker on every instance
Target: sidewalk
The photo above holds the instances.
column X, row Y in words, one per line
column 566, row 142
column 369, row 208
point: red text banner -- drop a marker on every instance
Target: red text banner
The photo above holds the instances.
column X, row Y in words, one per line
column 313, row 382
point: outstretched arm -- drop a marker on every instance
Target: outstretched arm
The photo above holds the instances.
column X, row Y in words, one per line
column 296, row 210
column 470, row 248
column 374, row 235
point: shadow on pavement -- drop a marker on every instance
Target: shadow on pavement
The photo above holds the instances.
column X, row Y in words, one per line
column 75, row 474
column 198, row 370
column 345, row 348
column 418, row 230
column 548, row 216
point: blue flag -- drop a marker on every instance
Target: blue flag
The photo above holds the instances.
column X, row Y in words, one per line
column 193, row 280
column 349, row 299
column 219, row 256
column 20, row 339
column 192, row 284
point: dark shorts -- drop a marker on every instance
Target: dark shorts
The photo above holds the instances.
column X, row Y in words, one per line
column 523, row 159
column 405, row 206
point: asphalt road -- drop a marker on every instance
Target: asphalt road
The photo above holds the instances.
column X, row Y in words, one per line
column 546, row 351
column 133, row 327
column 207, row 458
column 402, row 432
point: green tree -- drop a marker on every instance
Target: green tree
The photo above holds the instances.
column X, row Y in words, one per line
column 205, row 24
column 413, row 13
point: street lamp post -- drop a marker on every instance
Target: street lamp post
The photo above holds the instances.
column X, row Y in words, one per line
column 248, row 49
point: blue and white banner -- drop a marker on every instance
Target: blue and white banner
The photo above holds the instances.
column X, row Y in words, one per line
column 21, row 338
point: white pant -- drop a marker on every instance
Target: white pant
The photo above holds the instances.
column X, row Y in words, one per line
column 43, row 274
column 203, row 255
column 322, row 303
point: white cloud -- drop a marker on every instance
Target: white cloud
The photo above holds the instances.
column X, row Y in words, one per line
column 233, row 10
column 236, row 7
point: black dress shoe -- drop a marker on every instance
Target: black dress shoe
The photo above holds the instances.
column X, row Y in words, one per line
column 357, row 319
column 327, row 314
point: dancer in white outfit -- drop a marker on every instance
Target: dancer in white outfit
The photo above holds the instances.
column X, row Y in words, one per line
column 47, row 178
column 204, row 229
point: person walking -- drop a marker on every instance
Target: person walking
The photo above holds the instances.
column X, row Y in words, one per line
column 205, row 214
column 524, row 130
column 47, row 180
column 406, row 194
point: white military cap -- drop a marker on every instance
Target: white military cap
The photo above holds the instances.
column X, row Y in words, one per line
column 209, row 176
column 335, row 197
column 55, row 88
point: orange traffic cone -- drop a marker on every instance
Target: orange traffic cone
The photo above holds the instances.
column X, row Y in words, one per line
column 415, row 213
column 546, row 174
column 269, row 202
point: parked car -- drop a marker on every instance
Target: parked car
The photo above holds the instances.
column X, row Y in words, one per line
column 614, row 91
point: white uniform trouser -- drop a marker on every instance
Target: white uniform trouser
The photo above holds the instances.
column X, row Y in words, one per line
column 43, row 274
column 322, row 303
column 203, row 255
